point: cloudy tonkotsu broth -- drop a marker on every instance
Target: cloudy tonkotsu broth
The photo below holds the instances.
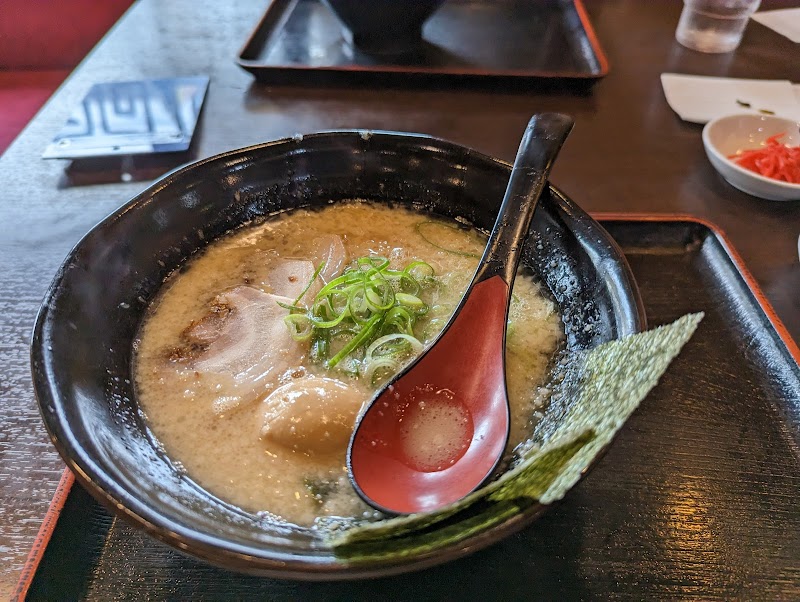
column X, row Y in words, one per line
column 244, row 407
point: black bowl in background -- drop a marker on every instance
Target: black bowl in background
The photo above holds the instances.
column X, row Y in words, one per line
column 384, row 27
column 82, row 343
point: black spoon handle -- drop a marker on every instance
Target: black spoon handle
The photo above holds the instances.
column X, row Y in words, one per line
column 544, row 136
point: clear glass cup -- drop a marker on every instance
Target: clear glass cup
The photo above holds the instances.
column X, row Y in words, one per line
column 714, row 25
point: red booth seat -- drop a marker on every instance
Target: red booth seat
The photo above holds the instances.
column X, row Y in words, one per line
column 22, row 93
column 41, row 41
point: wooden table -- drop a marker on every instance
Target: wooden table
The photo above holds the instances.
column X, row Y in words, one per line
column 628, row 153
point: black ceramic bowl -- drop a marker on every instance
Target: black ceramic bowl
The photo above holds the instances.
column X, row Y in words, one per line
column 82, row 343
column 384, row 27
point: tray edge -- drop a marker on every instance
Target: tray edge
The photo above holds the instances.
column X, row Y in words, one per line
column 730, row 249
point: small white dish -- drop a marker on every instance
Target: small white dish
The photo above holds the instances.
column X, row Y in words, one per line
column 728, row 135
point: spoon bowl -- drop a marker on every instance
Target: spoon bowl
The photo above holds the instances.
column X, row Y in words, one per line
column 437, row 431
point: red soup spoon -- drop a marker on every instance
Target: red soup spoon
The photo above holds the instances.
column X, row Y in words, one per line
column 436, row 431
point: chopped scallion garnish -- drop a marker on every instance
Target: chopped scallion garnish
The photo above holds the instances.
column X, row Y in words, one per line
column 366, row 315
column 426, row 231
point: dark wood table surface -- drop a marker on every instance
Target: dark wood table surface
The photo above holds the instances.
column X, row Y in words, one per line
column 628, row 153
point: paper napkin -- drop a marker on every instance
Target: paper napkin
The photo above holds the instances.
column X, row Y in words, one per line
column 700, row 99
column 786, row 21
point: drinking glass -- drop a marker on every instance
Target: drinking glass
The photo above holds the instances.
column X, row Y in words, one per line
column 714, row 25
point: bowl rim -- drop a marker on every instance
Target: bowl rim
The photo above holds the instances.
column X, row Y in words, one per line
column 218, row 550
column 711, row 147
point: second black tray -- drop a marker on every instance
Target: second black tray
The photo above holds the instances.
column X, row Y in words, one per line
column 301, row 42
column 696, row 498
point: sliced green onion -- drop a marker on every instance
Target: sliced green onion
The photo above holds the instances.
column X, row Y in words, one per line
column 392, row 274
column 421, row 226
column 317, row 323
column 363, row 320
column 300, row 326
column 406, row 283
column 373, row 262
column 310, row 282
column 355, row 341
column 347, row 278
column 419, row 270
column 400, row 320
column 321, row 344
column 357, row 307
column 290, row 306
column 380, row 294
column 411, row 341
column 385, row 364
column 409, row 300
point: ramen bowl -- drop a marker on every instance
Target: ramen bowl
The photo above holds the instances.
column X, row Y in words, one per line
column 82, row 347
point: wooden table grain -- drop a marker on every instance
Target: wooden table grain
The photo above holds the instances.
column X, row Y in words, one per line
column 628, row 153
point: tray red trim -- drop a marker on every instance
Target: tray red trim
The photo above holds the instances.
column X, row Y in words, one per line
column 593, row 39
column 44, row 535
column 67, row 479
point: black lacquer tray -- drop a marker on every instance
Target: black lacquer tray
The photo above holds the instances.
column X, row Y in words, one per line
column 301, row 42
column 697, row 497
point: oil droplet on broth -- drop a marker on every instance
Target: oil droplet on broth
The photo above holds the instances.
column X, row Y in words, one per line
column 436, row 431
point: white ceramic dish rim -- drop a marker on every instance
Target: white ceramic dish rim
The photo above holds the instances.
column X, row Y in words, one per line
column 712, row 147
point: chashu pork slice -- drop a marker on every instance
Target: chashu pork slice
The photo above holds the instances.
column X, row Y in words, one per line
column 329, row 250
column 243, row 346
column 289, row 277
